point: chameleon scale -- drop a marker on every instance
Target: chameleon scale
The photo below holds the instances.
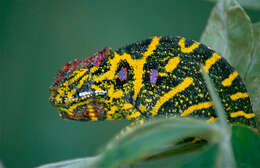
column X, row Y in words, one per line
column 159, row 76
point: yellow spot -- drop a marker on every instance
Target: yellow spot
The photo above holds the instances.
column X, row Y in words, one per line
column 71, row 93
column 148, row 100
column 93, row 117
column 142, row 108
column 162, row 74
column 228, row 81
column 211, row 61
column 133, row 115
column 112, row 110
column 187, row 49
column 200, row 95
column 238, row 95
column 150, row 92
column 242, row 113
column 196, row 139
column 212, row 119
column 195, row 107
column 127, row 106
column 172, row 64
column 93, row 69
column 58, row 98
column 95, row 87
column 179, row 88
column 114, row 94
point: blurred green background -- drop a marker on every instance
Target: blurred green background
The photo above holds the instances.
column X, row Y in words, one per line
column 38, row 37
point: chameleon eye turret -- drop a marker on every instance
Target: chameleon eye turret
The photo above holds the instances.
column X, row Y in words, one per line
column 159, row 76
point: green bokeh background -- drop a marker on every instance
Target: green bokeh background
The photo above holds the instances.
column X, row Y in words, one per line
column 38, row 36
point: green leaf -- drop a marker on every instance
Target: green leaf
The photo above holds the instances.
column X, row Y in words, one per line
column 230, row 32
column 225, row 157
column 252, row 4
column 246, row 145
column 253, row 74
column 75, row 163
column 205, row 159
column 189, row 160
column 156, row 137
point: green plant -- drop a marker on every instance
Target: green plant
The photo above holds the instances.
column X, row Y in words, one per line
column 162, row 142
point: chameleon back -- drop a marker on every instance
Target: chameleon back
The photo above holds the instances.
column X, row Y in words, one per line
column 161, row 77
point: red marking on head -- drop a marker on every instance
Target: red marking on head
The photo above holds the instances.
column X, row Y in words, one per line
column 82, row 63
column 66, row 67
column 99, row 56
column 76, row 62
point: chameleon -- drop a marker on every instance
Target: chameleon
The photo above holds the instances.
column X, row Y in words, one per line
column 156, row 77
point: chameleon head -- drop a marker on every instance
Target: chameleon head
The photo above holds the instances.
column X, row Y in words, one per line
column 74, row 91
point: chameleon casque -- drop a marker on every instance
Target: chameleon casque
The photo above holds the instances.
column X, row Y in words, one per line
column 159, row 76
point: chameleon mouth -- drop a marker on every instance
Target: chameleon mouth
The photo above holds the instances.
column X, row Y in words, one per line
column 84, row 112
column 92, row 93
column 81, row 96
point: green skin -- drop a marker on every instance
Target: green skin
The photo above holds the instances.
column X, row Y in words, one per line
column 111, row 97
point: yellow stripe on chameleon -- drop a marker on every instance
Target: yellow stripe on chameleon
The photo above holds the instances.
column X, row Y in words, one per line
column 179, row 88
column 212, row 119
column 74, row 106
column 163, row 74
column 79, row 74
column 189, row 49
column 93, row 117
column 82, row 80
column 71, row 93
column 239, row 95
column 112, row 110
column 211, row 61
column 152, row 46
column 133, row 115
column 139, row 64
column 127, row 106
column 228, row 81
column 172, row 64
column 114, row 93
column 242, row 113
column 95, row 87
column 195, row 107
column 93, row 69
column 66, row 110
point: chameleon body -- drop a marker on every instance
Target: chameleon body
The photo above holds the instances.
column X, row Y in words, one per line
column 159, row 76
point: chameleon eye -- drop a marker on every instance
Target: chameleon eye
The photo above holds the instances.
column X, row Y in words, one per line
column 122, row 75
column 153, row 76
